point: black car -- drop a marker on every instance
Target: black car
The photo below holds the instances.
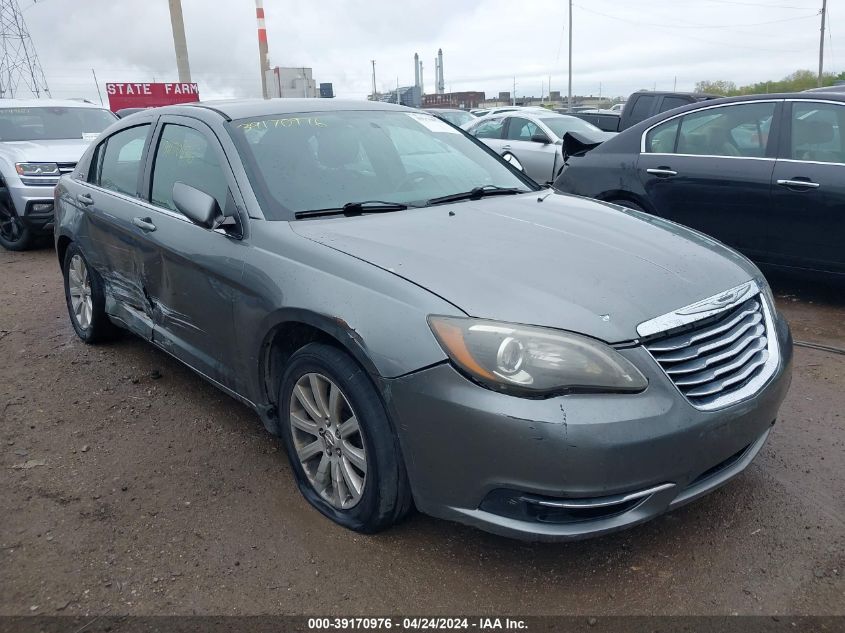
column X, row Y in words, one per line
column 639, row 107
column 764, row 174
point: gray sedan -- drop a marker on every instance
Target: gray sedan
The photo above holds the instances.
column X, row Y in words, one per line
column 531, row 140
column 420, row 322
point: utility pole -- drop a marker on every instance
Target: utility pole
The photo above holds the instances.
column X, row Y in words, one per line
column 513, row 96
column 179, row 43
column 374, row 78
column 18, row 60
column 569, row 92
column 821, row 43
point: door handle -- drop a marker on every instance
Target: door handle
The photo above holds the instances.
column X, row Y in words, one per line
column 84, row 199
column 506, row 146
column 662, row 171
column 806, row 184
column 145, row 224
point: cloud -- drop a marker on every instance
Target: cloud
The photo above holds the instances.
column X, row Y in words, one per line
column 618, row 47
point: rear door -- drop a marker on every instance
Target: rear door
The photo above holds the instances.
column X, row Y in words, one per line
column 807, row 218
column 192, row 275
column 711, row 170
column 109, row 238
column 537, row 159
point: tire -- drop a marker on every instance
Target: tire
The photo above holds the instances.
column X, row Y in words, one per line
column 84, row 287
column 14, row 235
column 326, row 452
column 628, row 204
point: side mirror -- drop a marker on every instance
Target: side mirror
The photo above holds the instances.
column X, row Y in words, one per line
column 540, row 137
column 196, row 205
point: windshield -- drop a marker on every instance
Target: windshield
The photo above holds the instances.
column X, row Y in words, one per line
column 308, row 161
column 456, row 118
column 37, row 124
column 560, row 125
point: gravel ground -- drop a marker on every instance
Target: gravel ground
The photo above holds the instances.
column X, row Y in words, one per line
column 131, row 486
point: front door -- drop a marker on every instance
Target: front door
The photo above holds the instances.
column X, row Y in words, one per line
column 192, row 274
column 711, row 170
column 807, row 224
column 537, row 158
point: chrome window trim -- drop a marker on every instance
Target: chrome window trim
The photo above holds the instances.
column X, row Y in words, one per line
column 809, row 162
column 697, row 311
column 697, row 110
column 716, row 156
column 141, row 202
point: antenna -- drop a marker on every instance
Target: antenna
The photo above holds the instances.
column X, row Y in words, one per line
column 20, row 70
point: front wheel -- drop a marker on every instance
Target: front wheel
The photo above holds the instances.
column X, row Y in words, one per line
column 14, row 235
column 343, row 451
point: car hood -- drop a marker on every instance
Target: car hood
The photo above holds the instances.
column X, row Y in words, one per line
column 47, row 151
column 567, row 262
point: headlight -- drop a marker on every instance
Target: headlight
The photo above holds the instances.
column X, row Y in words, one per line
column 528, row 360
column 37, row 169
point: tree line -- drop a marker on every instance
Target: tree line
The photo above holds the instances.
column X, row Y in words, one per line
column 796, row 82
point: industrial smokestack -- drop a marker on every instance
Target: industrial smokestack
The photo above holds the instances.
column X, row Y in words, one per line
column 441, row 83
column 422, row 83
column 262, row 46
column 416, row 70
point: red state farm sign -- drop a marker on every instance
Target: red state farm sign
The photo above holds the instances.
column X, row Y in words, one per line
column 147, row 95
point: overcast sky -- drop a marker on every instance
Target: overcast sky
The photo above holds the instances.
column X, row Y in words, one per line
column 619, row 46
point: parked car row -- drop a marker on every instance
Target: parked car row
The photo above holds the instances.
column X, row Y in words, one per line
column 764, row 174
column 421, row 322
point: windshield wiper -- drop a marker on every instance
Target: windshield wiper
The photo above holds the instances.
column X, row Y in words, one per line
column 354, row 208
column 476, row 194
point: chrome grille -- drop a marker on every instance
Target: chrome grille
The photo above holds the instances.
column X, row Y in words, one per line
column 66, row 168
column 714, row 358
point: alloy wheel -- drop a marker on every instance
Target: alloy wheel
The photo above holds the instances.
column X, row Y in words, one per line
column 79, row 288
column 328, row 440
column 11, row 228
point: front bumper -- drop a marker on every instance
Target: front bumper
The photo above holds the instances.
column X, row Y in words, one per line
column 490, row 460
column 26, row 200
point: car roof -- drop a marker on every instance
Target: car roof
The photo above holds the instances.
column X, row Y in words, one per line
column 48, row 103
column 249, row 108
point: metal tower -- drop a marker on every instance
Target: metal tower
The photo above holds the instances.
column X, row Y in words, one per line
column 20, row 70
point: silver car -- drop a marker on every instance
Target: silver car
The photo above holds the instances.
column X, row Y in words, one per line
column 40, row 140
column 421, row 323
column 531, row 140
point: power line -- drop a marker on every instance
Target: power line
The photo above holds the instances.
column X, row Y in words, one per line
column 693, row 37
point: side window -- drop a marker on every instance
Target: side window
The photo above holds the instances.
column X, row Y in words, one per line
column 642, row 108
column 117, row 161
column 490, row 129
column 661, row 139
column 735, row 130
column 520, row 129
column 670, row 103
column 187, row 156
column 818, row 132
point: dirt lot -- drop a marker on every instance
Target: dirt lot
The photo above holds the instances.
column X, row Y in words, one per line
column 131, row 486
